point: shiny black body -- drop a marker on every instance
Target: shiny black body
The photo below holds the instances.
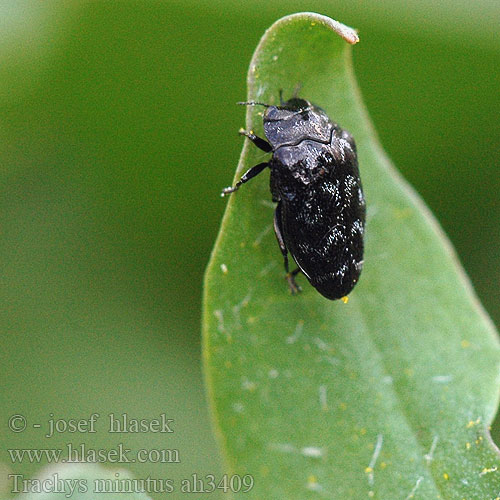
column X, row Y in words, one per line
column 320, row 216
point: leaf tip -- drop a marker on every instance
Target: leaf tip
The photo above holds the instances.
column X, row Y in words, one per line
column 350, row 35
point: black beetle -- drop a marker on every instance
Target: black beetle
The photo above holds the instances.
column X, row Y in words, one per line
column 320, row 216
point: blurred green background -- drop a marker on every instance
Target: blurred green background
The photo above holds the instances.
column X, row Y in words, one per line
column 118, row 128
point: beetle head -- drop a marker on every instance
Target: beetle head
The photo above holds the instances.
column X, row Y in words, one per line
column 296, row 120
column 295, row 104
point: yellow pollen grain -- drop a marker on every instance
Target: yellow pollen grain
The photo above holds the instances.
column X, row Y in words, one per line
column 486, row 471
column 472, row 423
column 467, row 446
column 368, row 470
column 446, row 476
column 345, row 299
column 465, row 343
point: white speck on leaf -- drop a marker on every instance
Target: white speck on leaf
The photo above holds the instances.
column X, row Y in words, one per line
column 313, row 485
column 429, row 456
column 412, row 492
column 238, row 407
column 260, row 90
column 323, row 397
column 265, row 270
column 283, row 447
column 333, row 361
column 262, row 235
column 322, row 345
column 237, row 308
column 220, row 318
column 268, row 204
column 373, row 461
column 306, row 451
column 248, row 385
column 312, row 451
column 296, row 334
column 371, row 211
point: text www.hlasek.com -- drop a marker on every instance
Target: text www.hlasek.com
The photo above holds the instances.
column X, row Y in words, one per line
column 80, row 453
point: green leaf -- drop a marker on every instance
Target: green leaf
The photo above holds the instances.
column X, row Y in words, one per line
column 389, row 396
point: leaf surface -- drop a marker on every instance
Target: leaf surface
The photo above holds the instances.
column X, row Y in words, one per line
column 389, row 396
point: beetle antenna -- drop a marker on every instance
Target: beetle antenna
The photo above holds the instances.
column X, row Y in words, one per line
column 253, row 103
column 282, row 102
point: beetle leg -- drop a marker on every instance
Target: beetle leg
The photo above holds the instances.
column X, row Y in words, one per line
column 290, row 276
column 260, row 143
column 249, row 174
column 279, row 234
